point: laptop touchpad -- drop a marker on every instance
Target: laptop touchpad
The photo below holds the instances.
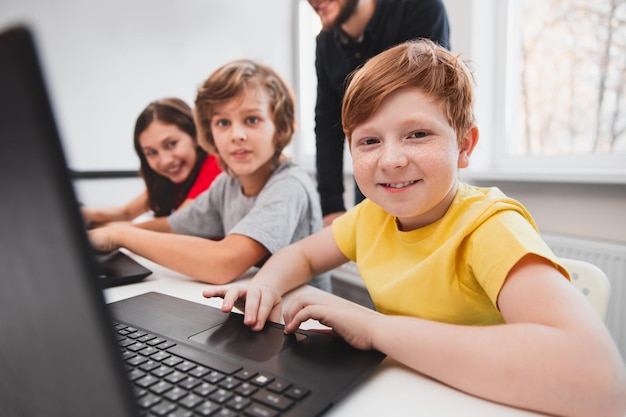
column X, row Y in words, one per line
column 235, row 338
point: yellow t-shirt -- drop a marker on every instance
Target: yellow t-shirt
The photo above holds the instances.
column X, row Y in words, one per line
column 449, row 271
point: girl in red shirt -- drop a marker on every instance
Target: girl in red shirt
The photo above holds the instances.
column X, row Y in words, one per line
column 173, row 166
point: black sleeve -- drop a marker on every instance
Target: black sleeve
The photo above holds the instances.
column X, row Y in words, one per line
column 329, row 142
column 425, row 19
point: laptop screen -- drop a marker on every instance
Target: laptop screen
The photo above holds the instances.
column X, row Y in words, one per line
column 57, row 352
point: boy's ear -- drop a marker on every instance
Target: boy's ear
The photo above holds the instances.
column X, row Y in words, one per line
column 466, row 146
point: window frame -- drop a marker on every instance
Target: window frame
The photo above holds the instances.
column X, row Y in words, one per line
column 492, row 52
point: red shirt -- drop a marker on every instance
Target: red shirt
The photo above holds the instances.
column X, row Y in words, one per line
column 208, row 171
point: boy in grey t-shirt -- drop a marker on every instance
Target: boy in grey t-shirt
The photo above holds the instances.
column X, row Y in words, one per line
column 286, row 210
column 261, row 203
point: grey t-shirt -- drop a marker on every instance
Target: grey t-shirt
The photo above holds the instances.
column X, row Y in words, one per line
column 286, row 210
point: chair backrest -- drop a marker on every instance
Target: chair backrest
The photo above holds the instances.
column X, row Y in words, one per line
column 592, row 281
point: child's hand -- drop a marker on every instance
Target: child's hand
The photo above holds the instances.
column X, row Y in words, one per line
column 103, row 239
column 87, row 217
column 352, row 322
column 259, row 303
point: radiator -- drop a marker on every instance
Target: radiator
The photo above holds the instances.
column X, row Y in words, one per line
column 611, row 258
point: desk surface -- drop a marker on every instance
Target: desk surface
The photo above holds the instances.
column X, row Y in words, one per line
column 392, row 388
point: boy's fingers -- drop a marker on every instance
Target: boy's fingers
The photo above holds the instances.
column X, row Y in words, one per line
column 300, row 317
column 210, row 293
column 252, row 307
column 214, row 292
column 229, row 295
column 266, row 306
column 275, row 314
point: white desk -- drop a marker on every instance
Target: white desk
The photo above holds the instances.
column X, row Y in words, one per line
column 392, row 389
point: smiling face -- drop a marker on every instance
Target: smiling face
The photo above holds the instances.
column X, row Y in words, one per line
column 169, row 151
column 406, row 158
column 245, row 137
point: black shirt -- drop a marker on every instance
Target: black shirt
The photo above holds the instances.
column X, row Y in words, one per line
column 393, row 22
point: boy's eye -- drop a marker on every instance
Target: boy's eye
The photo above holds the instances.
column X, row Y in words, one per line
column 418, row 135
column 221, row 122
column 370, row 141
column 365, row 141
column 252, row 120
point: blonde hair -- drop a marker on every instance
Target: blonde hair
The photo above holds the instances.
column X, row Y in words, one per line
column 228, row 82
column 419, row 63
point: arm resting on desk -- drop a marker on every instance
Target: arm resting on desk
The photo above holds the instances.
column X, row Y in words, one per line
column 211, row 261
column 558, row 359
column 553, row 355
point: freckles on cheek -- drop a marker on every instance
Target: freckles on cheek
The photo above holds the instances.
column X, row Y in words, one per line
column 361, row 171
column 438, row 160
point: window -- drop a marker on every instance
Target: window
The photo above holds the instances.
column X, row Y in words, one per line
column 308, row 27
column 551, row 93
column 566, row 85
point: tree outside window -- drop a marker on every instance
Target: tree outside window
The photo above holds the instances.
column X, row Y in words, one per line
column 569, row 57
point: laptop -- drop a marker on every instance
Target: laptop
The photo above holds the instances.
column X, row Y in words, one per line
column 117, row 268
column 65, row 352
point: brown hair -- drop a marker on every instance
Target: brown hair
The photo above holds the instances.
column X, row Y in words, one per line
column 228, row 82
column 163, row 195
column 421, row 64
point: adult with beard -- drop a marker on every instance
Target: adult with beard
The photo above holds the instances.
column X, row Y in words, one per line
column 354, row 31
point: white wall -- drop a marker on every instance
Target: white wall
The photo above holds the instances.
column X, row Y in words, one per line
column 106, row 60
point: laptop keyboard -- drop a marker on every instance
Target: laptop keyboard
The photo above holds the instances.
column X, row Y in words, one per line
column 168, row 384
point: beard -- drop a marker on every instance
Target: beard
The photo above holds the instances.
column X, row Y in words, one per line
column 346, row 11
